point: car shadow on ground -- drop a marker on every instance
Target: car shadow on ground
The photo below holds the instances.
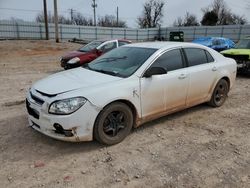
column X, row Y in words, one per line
column 19, row 138
column 165, row 119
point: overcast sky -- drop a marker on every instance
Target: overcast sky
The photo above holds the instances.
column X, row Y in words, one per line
column 129, row 10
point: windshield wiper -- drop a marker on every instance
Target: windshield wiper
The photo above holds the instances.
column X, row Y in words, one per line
column 115, row 58
column 109, row 59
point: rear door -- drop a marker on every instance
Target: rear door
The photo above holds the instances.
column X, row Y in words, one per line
column 162, row 93
column 202, row 70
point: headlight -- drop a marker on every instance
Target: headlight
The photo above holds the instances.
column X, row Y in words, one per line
column 66, row 106
column 74, row 60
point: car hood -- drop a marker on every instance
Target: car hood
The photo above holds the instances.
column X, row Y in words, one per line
column 71, row 80
column 73, row 54
column 237, row 51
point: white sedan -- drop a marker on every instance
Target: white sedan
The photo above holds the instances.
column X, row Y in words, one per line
column 127, row 87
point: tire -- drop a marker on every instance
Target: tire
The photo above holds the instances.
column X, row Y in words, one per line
column 113, row 123
column 219, row 94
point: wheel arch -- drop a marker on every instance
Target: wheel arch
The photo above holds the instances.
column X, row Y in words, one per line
column 215, row 83
column 130, row 105
column 123, row 101
column 227, row 79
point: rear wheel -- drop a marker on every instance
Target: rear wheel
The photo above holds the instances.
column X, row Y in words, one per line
column 113, row 123
column 219, row 94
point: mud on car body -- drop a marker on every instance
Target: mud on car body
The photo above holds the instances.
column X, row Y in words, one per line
column 127, row 87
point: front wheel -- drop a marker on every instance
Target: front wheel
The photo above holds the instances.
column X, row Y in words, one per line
column 113, row 123
column 219, row 94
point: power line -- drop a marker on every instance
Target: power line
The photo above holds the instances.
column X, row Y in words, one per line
column 26, row 10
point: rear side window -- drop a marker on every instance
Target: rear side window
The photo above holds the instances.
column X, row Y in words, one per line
column 195, row 56
column 209, row 57
column 171, row 60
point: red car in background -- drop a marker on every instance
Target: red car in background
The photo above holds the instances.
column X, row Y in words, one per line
column 90, row 52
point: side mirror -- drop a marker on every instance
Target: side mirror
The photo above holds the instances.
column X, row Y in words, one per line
column 154, row 71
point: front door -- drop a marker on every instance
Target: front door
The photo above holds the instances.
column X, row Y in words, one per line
column 163, row 93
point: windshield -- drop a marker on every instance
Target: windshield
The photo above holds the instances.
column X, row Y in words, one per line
column 91, row 46
column 121, row 62
column 243, row 44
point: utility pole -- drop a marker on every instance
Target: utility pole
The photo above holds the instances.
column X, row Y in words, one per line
column 46, row 19
column 56, row 20
column 71, row 15
column 117, row 16
column 94, row 5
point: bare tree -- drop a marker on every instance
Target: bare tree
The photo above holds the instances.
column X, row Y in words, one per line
column 188, row 20
column 223, row 13
column 239, row 20
column 178, row 22
column 14, row 19
column 152, row 14
column 40, row 18
column 110, row 21
column 77, row 19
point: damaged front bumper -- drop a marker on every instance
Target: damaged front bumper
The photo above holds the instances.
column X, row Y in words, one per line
column 74, row 127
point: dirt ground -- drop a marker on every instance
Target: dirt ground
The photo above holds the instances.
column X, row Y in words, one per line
column 198, row 147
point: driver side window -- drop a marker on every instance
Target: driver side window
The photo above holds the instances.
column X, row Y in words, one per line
column 171, row 60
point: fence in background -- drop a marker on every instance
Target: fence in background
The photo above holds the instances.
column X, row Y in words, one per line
column 234, row 32
column 32, row 30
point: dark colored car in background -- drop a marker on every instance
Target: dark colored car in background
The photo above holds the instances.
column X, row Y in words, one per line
column 89, row 52
column 176, row 36
column 216, row 43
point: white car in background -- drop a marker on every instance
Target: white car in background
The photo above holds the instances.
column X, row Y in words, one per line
column 127, row 87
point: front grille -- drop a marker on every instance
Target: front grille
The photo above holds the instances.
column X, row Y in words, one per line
column 36, row 99
column 32, row 111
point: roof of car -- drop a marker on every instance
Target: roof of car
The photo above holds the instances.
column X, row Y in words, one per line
column 159, row 45
column 210, row 38
column 105, row 40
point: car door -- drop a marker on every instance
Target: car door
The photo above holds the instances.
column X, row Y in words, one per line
column 202, row 72
column 163, row 93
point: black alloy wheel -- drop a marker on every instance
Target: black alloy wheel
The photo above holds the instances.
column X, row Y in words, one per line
column 219, row 94
column 113, row 123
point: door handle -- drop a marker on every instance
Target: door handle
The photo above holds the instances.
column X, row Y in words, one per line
column 182, row 76
column 214, row 69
